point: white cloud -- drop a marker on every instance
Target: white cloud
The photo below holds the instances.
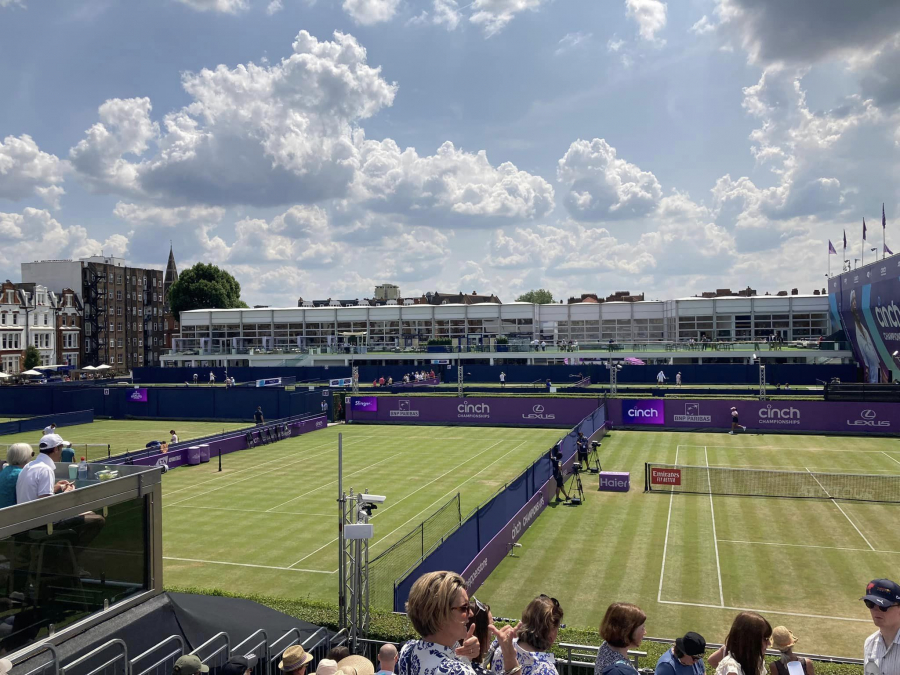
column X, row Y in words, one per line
column 494, row 15
column 650, row 16
column 223, row 6
column 11, row 3
column 614, row 44
column 369, row 12
column 600, row 186
column 572, row 40
column 274, row 7
column 446, row 13
column 456, row 186
column 703, row 26
column 26, row 170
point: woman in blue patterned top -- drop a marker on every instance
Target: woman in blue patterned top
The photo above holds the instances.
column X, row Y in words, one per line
column 526, row 647
column 438, row 608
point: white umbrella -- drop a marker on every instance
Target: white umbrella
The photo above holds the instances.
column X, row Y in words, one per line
column 32, row 372
column 3, row 375
column 103, row 367
column 53, row 367
column 89, row 368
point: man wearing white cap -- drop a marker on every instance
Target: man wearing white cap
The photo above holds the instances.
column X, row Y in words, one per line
column 38, row 477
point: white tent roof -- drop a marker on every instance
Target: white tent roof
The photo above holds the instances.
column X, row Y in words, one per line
column 31, row 372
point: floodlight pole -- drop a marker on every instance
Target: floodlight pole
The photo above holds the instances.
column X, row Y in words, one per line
column 613, row 379
column 762, row 381
column 459, row 376
column 354, row 387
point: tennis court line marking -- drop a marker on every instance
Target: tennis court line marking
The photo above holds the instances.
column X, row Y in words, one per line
column 662, row 571
column 889, row 457
column 833, row 501
column 427, row 507
column 833, row 548
column 772, row 467
column 252, row 468
column 772, row 447
column 234, row 564
column 277, row 513
column 333, row 482
column 763, row 611
column 715, row 538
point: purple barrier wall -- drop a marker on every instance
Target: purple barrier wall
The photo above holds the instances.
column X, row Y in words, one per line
column 228, row 444
column 824, row 416
column 498, row 548
column 522, row 411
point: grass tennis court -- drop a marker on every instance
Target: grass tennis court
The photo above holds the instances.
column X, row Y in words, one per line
column 122, row 435
column 693, row 561
column 268, row 523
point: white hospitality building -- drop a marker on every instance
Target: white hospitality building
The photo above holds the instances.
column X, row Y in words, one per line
column 307, row 336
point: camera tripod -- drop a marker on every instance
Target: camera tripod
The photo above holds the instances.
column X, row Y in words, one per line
column 593, row 460
column 575, row 489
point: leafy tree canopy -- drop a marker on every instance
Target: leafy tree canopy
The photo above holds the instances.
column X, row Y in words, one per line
column 204, row 287
column 32, row 357
column 538, row 297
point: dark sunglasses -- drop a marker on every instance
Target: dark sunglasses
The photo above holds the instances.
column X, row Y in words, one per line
column 555, row 604
column 872, row 605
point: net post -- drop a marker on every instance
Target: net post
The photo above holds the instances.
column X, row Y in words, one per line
column 220, row 459
column 108, row 452
column 646, row 476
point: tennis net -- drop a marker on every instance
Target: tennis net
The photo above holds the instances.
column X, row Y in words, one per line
column 669, row 478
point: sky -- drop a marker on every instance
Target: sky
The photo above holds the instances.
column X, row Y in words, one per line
column 317, row 148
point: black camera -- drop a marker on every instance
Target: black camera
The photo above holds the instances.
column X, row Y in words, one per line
column 576, row 467
column 595, row 444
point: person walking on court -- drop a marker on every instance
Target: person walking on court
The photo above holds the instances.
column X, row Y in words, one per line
column 661, row 378
column 556, row 466
column 882, row 648
column 784, row 640
column 212, row 378
column 174, row 439
column 735, row 422
column 258, row 416
column 502, row 380
column 677, row 379
column 196, row 378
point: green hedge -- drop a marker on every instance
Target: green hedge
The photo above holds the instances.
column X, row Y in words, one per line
column 392, row 627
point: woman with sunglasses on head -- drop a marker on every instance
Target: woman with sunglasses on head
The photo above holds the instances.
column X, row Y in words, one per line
column 525, row 648
column 744, row 651
column 481, row 618
column 622, row 629
column 438, row 608
column 17, row 456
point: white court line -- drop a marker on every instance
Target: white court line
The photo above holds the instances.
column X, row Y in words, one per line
column 715, row 539
column 763, row 611
column 770, row 447
column 662, row 571
column 833, row 501
column 255, row 467
column 234, row 564
column 279, row 513
column 833, row 548
column 365, row 468
column 772, row 467
column 889, row 457
column 414, row 517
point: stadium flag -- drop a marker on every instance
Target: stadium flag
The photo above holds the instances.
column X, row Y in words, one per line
column 862, row 255
column 883, row 231
column 887, row 251
column 831, row 250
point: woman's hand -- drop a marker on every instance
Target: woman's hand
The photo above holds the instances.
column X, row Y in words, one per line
column 470, row 648
column 505, row 637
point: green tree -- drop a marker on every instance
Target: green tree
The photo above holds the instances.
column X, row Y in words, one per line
column 32, row 357
column 204, row 287
column 538, row 297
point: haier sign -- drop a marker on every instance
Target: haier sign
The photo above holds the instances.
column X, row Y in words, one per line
column 643, row 411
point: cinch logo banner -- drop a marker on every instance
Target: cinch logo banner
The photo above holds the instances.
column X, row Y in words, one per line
column 665, row 476
column 364, row 403
column 138, row 396
column 643, row 411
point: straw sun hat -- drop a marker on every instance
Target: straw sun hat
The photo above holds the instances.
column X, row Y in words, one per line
column 783, row 639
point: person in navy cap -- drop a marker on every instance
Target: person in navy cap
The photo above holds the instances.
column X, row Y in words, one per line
column 882, row 649
column 685, row 658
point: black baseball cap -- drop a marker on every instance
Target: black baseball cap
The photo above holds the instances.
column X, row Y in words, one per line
column 238, row 665
column 692, row 644
column 883, row 592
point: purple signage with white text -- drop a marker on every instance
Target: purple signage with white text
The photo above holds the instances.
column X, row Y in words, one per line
column 824, row 416
column 498, row 548
column 483, row 410
column 138, row 396
column 643, row 411
column 365, row 403
column 615, row 481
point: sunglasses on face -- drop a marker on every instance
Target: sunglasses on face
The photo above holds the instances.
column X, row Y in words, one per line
column 872, row 605
column 466, row 609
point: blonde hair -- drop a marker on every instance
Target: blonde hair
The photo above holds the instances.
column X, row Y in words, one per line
column 19, row 454
column 430, row 600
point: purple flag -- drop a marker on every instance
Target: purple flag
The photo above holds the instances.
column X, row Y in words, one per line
column 845, row 240
column 831, row 248
column 883, row 221
column 887, row 251
column 864, row 229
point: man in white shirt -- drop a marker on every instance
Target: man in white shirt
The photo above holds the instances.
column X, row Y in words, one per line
column 660, row 377
column 502, row 380
column 882, row 649
column 50, row 429
column 174, row 439
column 38, row 478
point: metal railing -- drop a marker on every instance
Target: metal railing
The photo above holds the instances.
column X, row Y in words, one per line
column 582, row 652
column 215, row 651
column 258, row 645
column 114, row 664
column 165, row 657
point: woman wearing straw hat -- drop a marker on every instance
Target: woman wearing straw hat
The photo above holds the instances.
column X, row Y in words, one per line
column 295, row 660
column 784, row 640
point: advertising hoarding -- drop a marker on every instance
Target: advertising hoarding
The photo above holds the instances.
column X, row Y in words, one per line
column 643, row 411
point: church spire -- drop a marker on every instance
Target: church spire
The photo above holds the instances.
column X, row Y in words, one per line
column 171, row 272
